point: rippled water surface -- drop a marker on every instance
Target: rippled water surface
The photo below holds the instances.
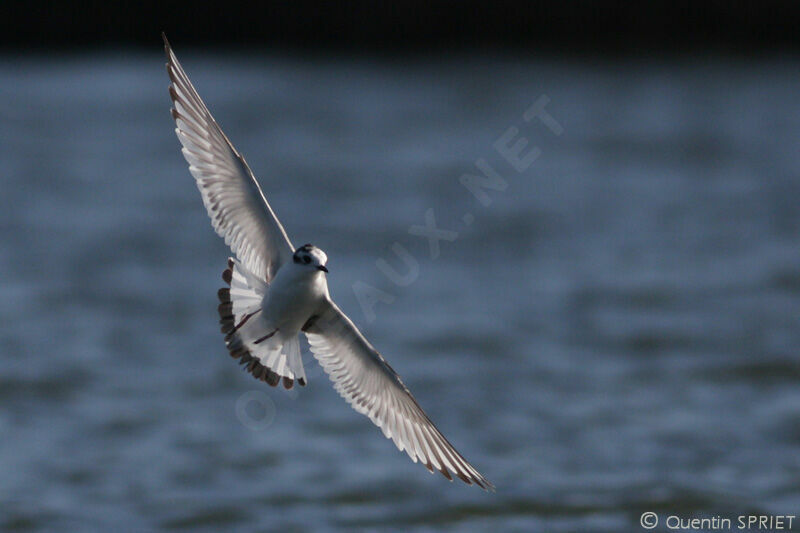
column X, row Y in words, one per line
column 616, row 332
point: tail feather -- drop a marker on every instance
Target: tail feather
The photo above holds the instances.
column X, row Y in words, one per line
column 271, row 362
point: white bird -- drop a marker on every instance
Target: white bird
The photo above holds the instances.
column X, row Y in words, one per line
column 277, row 291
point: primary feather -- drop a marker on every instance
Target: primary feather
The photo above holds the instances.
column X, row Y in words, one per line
column 238, row 209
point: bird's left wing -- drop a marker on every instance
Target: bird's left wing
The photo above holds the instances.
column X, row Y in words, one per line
column 238, row 209
column 363, row 377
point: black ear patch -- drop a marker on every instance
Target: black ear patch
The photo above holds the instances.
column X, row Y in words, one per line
column 305, row 248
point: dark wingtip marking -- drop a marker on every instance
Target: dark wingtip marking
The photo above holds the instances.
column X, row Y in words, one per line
column 272, row 378
column 479, row 483
column 240, row 353
column 302, row 381
column 288, row 383
column 225, row 310
column 227, row 276
column 463, row 478
column 224, row 294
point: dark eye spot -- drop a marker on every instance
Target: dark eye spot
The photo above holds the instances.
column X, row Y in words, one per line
column 306, row 260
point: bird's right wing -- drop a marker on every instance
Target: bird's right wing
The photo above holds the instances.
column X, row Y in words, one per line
column 238, row 209
column 363, row 377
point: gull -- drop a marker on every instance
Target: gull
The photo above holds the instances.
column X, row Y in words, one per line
column 276, row 291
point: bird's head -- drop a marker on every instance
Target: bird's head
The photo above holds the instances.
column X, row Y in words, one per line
column 310, row 255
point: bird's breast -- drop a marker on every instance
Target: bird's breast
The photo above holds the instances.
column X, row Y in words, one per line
column 292, row 299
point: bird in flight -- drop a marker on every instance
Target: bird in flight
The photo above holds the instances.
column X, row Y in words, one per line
column 276, row 291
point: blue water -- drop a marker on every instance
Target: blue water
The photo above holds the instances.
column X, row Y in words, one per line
column 617, row 331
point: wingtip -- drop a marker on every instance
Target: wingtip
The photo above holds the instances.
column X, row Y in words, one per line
column 485, row 484
column 168, row 53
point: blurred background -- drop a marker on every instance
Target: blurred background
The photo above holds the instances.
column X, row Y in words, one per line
column 614, row 332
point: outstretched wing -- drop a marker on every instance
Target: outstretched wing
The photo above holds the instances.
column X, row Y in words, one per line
column 238, row 209
column 363, row 377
